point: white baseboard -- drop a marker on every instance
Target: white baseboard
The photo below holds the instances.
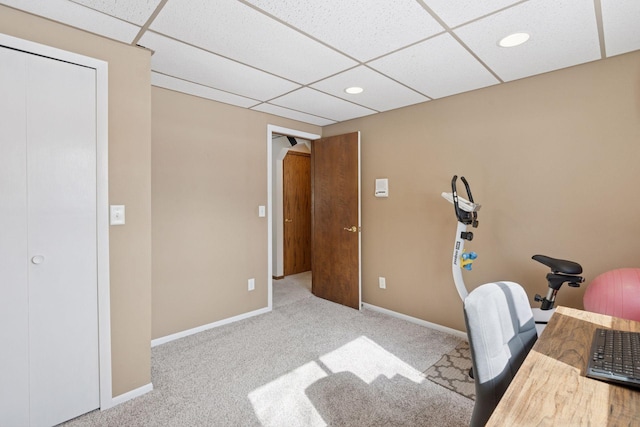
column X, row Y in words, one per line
column 421, row 322
column 129, row 395
column 202, row 328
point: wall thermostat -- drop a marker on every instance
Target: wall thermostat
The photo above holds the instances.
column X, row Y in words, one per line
column 382, row 187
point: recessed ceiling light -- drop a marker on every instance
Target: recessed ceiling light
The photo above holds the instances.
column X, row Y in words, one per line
column 515, row 39
column 354, row 90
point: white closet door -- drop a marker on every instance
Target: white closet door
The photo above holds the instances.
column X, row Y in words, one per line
column 60, row 111
column 14, row 311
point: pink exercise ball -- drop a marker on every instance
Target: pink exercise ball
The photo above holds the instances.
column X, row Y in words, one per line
column 616, row 293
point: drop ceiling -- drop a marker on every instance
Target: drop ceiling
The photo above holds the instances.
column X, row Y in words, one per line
column 295, row 58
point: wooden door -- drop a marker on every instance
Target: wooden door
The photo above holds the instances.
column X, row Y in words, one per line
column 296, row 195
column 335, row 213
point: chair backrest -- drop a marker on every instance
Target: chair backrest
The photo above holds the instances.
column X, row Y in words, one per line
column 501, row 331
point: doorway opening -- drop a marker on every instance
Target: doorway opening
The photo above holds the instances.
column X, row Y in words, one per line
column 278, row 144
column 292, row 206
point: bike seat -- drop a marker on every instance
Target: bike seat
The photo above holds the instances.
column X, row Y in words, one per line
column 559, row 265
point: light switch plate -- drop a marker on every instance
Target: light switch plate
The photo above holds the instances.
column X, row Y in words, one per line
column 116, row 215
column 261, row 211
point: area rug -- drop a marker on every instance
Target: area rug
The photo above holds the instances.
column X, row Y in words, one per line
column 452, row 371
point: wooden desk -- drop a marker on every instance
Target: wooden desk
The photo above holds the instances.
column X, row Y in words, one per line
column 551, row 389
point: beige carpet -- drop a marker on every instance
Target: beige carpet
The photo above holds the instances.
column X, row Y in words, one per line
column 308, row 363
column 452, row 371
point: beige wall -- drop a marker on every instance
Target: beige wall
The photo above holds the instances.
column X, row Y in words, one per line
column 209, row 163
column 129, row 184
column 553, row 159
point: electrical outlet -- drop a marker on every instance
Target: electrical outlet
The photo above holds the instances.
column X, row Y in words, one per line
column 252, row 284
column 382, row 282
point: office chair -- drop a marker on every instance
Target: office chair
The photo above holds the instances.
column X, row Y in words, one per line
column 501, row 331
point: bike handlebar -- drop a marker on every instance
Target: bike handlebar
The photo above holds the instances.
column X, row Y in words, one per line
column 463, row 216
column 466, row 185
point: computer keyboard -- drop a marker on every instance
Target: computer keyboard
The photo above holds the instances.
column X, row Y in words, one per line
column 615, row 357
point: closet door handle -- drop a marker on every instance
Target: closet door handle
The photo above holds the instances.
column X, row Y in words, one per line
column 38, row 259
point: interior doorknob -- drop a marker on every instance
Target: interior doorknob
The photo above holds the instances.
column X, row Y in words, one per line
column 352, row 229
column 38, row 259
column 288, row 220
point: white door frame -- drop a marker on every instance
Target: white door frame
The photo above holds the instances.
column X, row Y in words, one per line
column 271, row 129
column 102, row 195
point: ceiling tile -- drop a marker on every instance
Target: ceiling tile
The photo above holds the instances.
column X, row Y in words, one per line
column 321, row 104
column 78, row 16
column 136, row 12
column 168, row 82
column 259, row 53
column 458, row 12
column 291, row 114
column 563, row 34
column 621, row 22
column 437, row 68
column 240, row 32
column 363, row 29
column 380, row 92
column 198, row 66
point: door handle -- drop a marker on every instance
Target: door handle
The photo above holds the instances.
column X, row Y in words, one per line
column 352, row 229
column 288, row 220
column 38, row 259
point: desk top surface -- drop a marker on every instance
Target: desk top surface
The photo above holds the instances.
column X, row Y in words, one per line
column 551, row 388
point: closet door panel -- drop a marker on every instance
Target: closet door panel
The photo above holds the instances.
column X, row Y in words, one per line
column 61, row 177
column 14, row 369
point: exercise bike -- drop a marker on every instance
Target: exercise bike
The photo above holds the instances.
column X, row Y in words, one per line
column 562, row 271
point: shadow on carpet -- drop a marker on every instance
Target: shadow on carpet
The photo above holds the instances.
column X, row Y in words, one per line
column 452, row 371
